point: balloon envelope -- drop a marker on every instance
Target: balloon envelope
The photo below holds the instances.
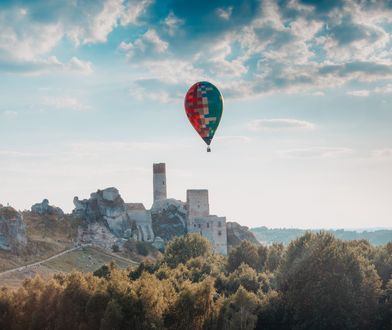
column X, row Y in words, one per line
column 204, row 107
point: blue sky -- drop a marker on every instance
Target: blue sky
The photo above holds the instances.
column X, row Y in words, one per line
column 91, row 94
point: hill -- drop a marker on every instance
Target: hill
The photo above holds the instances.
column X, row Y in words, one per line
column 286, row 235
column 83, row 259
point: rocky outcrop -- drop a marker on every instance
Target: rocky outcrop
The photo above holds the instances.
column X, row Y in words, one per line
column 237, row 233
column 107, row 208
column 141, row 222
column 12, row 229
column 45, row 209
column 168, row 218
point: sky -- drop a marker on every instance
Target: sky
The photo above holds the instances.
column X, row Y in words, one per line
column 92, row 92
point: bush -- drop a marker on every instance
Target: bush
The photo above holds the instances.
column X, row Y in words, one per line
column 143, row 248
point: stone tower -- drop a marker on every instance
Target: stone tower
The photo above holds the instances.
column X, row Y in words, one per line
column 197, row 203
column 159, row 181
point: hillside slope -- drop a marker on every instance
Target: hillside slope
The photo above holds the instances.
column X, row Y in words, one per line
column 83, row 259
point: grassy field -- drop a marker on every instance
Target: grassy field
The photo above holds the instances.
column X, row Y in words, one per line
column 85, row 260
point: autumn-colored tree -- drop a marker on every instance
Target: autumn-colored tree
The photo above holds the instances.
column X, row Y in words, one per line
column 183, row 248
column 239, row 311
column 113, row 316
column 193, row 307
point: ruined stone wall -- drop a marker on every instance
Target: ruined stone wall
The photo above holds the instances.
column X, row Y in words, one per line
column 213, row 228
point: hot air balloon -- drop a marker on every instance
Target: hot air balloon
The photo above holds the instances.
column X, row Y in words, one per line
column 204, row 107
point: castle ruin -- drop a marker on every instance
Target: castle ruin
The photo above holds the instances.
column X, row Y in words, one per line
column 199, row 220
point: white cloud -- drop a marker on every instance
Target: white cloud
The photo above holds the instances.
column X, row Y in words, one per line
column 279, row 124
column 385, row 153
column 95, row 27
column 47, row 65
column 147, row 45
column 316, row 152
column 133, row 11
column 318, row 93
column 233, row 139
column 26, row 44
column 224, row 13
column 386, row 89
column 101, row 24
column 140, row 93
column 174, row 71
column 77, row 65
column 65, row 103
column 361, row 93
column 10, row 114
column 173, row 23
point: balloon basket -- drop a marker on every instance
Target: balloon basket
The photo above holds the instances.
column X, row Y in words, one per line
column 208, row 149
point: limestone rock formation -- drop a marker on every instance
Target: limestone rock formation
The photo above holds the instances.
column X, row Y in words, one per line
column 237, row 233
column 45, row 209
column 12, row 229
column 169, row 218
column 107, row 208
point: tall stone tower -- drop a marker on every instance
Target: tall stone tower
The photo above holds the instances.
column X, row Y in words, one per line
column 197, row 201
column 159, row 181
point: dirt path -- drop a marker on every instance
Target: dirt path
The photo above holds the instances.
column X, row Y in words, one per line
column 37, row 263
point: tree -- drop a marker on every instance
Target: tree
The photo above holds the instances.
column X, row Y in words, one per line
column 143, row 248
column 246, row 253
column 274, row 257
column 182, row 248
column 244, row 276
column 240, row 311
column 262, row 252
column 156, row 296
column 113, row 316
column 385, row 312
column 383, row 262
column 193, row 307
column 95, row 309
column 115, row 248
column 326, row 285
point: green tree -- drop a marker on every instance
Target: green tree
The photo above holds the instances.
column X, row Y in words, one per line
column 385, row 312
column 326, row 285
column 383, row 262
column 239, row 311
column 246, row 253
column 143, row 248
column 262, row 252
column 115, row 248
column 182, row 248
column 274, row 257
column 244, row 276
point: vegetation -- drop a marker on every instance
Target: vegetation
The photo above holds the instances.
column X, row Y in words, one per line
column 316, row 282
column 286, row 235
column 115, row 248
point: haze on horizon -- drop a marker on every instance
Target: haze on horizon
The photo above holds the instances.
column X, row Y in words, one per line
column 91, row 94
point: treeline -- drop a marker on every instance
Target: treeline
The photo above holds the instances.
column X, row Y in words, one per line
column 316, row 282
column 286, row 235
